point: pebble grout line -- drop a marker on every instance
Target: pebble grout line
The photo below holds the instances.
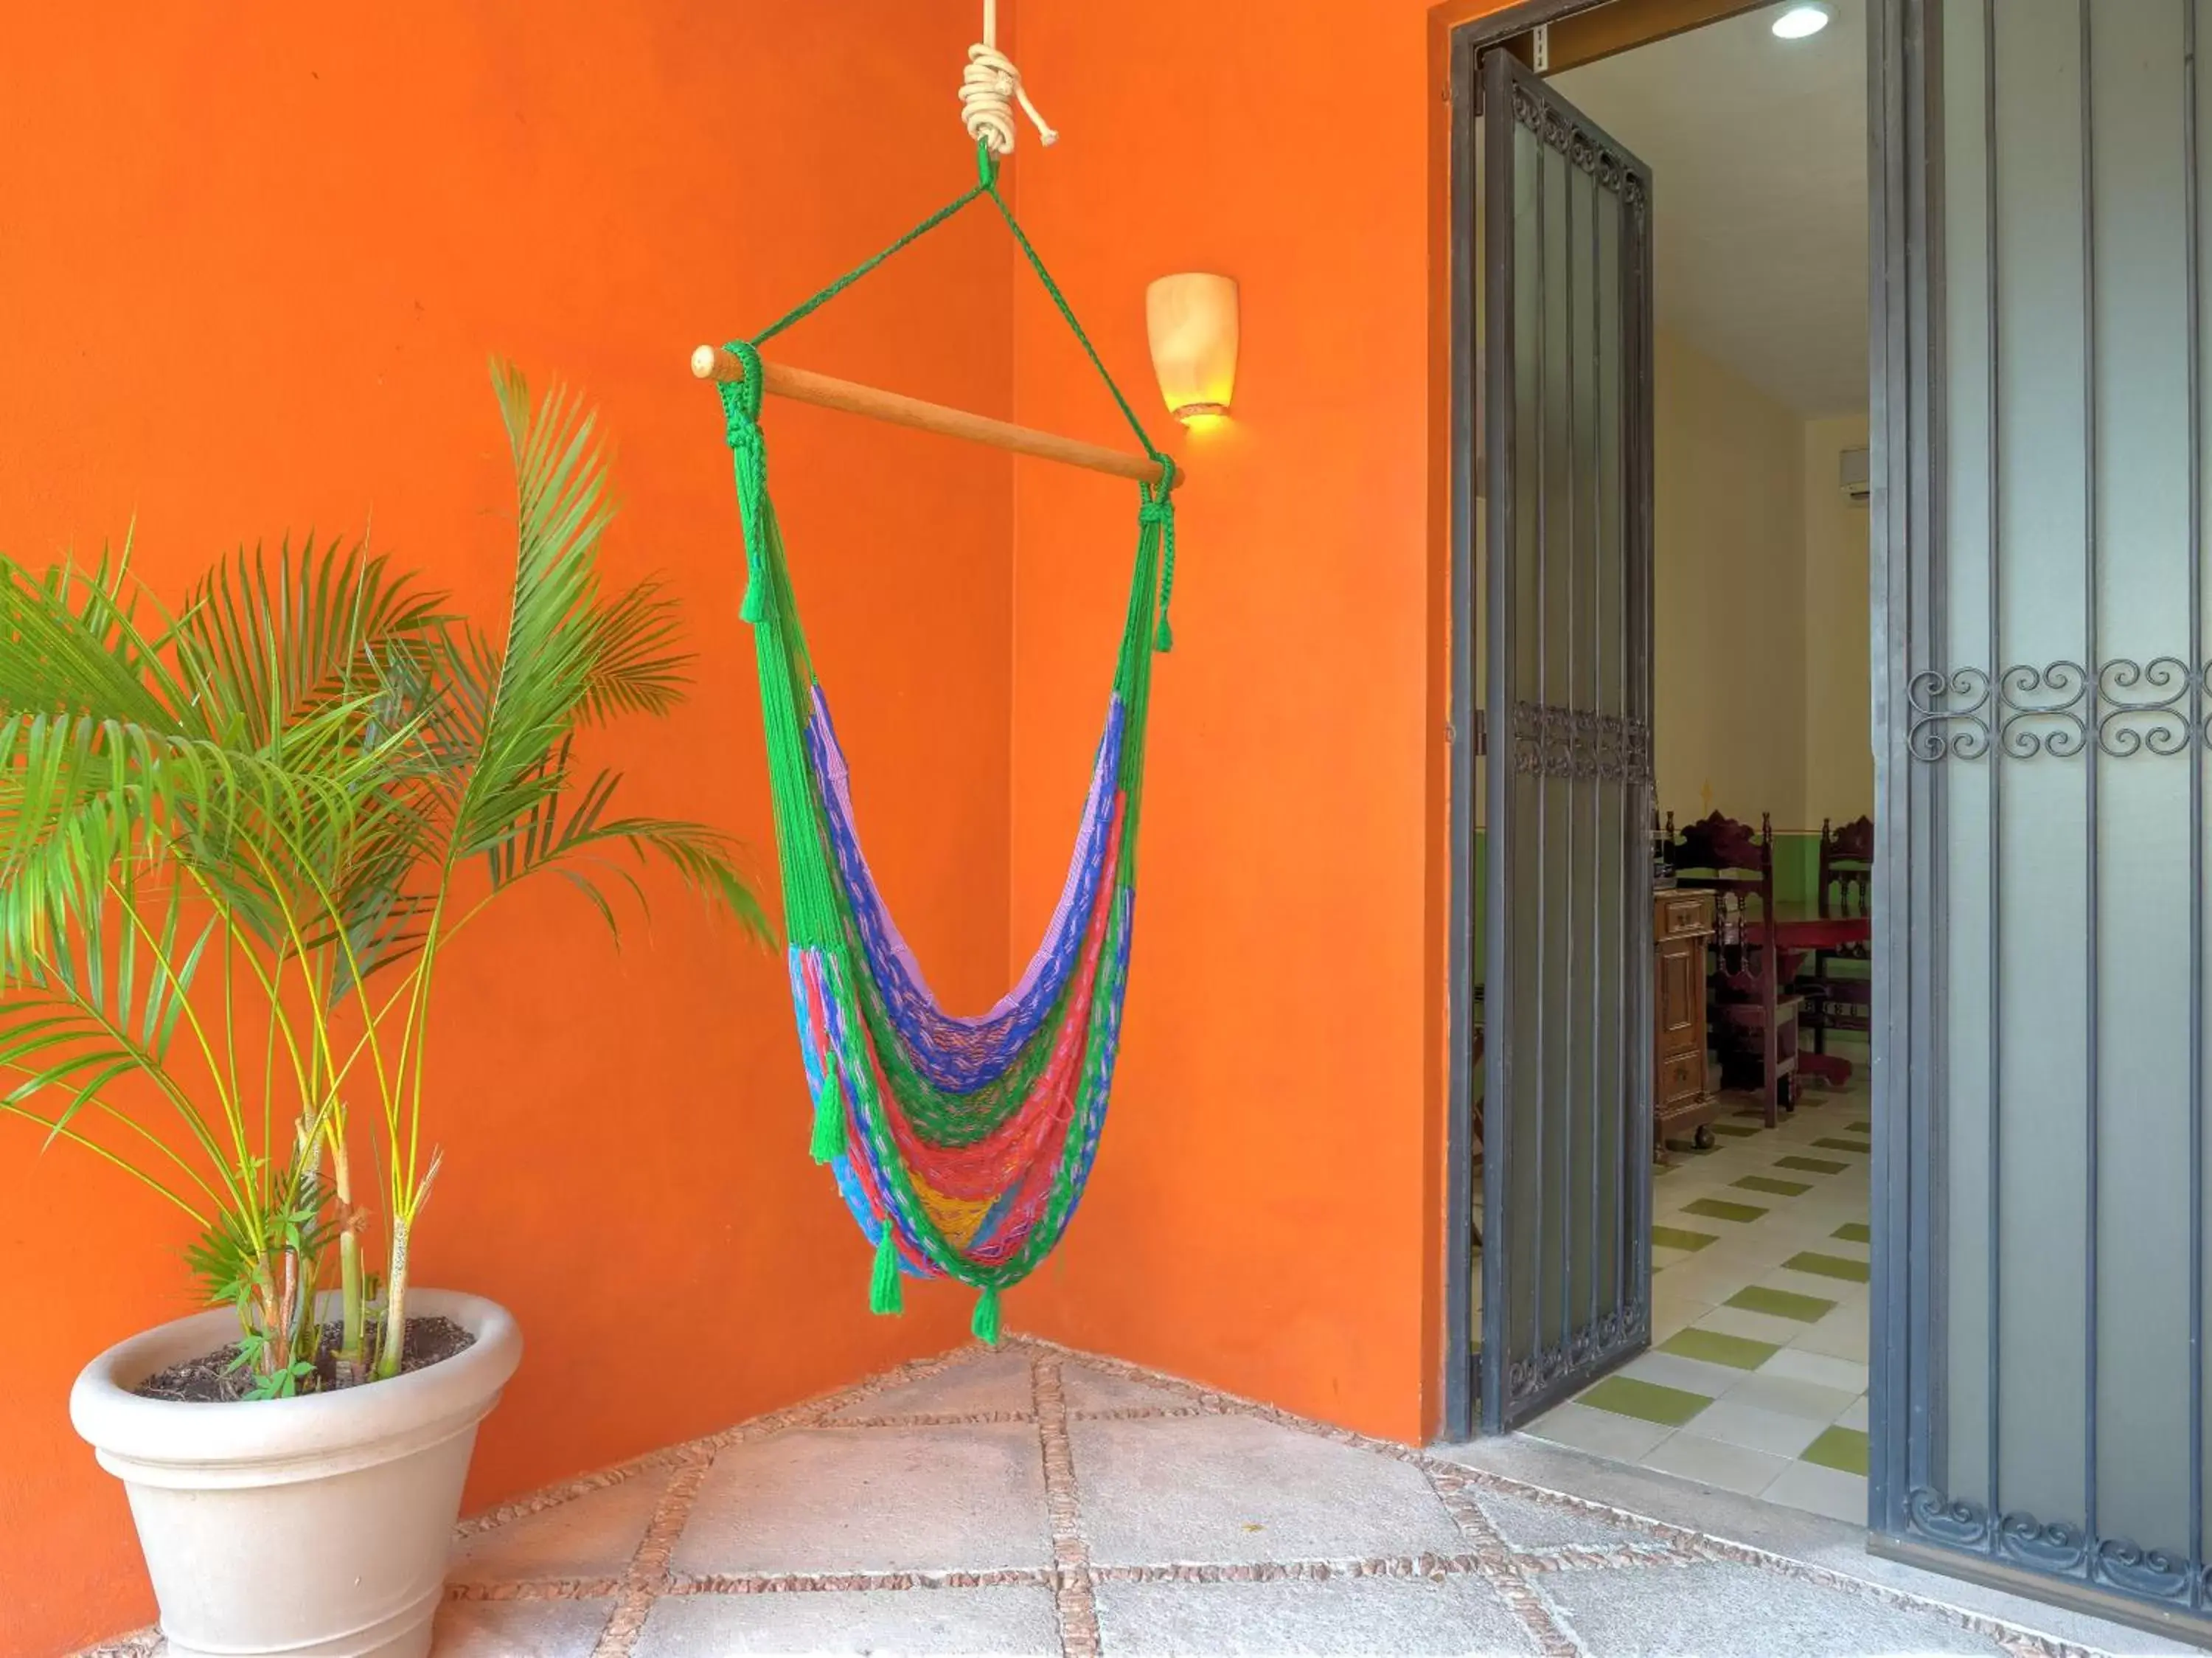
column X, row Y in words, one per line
column 1516, row 1574
column 1073, row 1601
column 1506, row 1576
column 648, row 1577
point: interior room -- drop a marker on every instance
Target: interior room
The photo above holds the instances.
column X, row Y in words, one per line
column 1756, row 1381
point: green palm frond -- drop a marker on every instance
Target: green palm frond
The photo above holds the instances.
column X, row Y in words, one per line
column 70, row 643
column 266, row 641
column 637, row 666
column 540, row 676
column 570, row 832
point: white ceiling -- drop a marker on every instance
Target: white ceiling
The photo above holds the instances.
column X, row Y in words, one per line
column 1758, row 150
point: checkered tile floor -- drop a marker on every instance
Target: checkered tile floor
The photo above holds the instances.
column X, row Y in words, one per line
column 1756, row 1381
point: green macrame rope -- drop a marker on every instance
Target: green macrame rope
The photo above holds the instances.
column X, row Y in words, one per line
column 986, row 184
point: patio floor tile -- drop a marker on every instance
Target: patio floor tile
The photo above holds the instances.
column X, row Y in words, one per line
column 1739, row 1612
column 999, row 1382
column 873, row 1500
column 1225, row 1490
column 998, row 1622
column 594, row 1536
column 1361, row 1617
column 520, row 1629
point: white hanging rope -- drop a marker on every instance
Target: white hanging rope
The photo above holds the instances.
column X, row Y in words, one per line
column 990, row 86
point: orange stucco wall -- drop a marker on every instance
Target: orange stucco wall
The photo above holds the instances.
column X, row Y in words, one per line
column 253, row 267
column 1266, row 1209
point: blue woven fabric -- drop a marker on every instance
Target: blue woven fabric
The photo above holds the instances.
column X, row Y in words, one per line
column 960, row 1054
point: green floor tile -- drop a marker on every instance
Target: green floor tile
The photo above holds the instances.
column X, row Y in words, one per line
column 1853, row 1232
column 1718, row 1209
column 1782, row 1304
column 1812, row 1165
column 1858, row 1127
column 1737, row 1129
column 1838, row 1447
column 1739, row 1352
column 1675, row 1237
column 1768, row 1183
column 1834, row 1144
column 1827, row 1266
column 1647, row 1401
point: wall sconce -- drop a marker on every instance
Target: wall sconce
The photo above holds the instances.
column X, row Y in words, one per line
column 1192, row 321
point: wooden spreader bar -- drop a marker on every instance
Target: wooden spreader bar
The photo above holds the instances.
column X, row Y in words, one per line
column 801, row 386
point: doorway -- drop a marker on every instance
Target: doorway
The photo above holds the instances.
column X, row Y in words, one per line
column 1755, row 1380
column 2035, row 1280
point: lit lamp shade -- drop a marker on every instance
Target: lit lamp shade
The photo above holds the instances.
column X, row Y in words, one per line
column 1192, row 322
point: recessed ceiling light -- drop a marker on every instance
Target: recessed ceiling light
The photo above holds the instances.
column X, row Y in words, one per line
column 1797, row 22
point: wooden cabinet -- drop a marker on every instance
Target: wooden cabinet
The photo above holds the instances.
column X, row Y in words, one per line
column 1682, row 1103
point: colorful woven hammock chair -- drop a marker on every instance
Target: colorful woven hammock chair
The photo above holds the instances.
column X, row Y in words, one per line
column 961, row 1144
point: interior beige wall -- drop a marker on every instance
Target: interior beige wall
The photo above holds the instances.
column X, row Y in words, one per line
column 1729, row 599
column 1838, row 688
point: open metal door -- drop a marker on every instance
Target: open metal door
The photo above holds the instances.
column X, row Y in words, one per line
column 2044, row 705
column 1564, row 302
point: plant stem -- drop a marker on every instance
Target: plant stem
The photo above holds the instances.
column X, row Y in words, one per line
column 350, row 1353
column 392, row 1348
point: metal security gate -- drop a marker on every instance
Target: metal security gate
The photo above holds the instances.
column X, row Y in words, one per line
column 1565, row 301
column 2042, row 719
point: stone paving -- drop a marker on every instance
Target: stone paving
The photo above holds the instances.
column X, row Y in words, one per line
column 1035, row 1500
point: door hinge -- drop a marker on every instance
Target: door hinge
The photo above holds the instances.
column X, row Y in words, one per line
column 1539, row 48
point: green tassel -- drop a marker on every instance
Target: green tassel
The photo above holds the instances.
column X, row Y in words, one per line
column 1163, row 638
column 752, row 609
column 828, row 1143
column 984, row 1324
column 886, row 1293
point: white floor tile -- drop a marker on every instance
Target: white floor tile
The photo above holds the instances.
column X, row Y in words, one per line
column 1730, row 1467
column 1809, row 1284
column 1855, row 1416
column 1806, row 1400
column 1752, row 1326
column 1752, row 1429
column 1602, row 1432
column 1840, row 1335
column 1691, row 1376
column 1820, row 1490
column 1796, row 1364
column 1671, row 1319
column 1712, row 1281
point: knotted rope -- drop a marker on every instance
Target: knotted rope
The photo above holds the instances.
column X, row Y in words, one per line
column 990, row 86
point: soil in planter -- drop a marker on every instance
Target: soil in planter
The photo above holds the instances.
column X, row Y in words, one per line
column 208, row 1379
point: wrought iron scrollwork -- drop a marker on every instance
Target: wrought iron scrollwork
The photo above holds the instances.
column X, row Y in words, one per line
column 1579, row 743
column 2127, row 707
column 2040, row 708
column 1583, row 147
column 1617, row 1329
column 1940, row 728
column 2055, row 1548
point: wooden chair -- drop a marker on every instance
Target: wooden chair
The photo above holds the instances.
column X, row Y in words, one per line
column 1845, row 1001
column 1753, row 1018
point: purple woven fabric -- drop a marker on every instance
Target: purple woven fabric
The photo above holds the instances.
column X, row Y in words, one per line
column 957, row 1053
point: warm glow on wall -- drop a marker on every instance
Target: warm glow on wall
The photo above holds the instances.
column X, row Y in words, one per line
column 1192, row 322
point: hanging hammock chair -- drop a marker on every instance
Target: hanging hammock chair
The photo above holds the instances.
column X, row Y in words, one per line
column 961, row 1144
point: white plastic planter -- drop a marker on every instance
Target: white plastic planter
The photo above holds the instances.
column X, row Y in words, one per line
column 316, row 1527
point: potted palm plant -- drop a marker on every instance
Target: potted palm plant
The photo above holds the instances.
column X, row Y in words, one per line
column 237, row 839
